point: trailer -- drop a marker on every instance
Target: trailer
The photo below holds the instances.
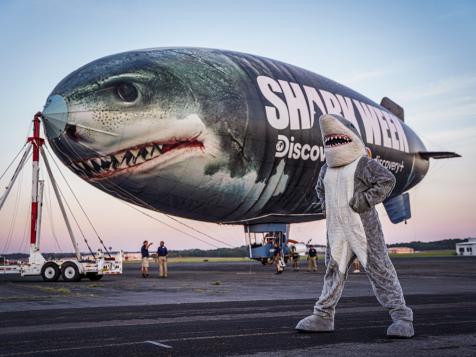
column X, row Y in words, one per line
column 69, row 269
column 93, row 266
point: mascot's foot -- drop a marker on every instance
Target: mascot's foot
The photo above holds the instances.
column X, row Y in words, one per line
column 315, row 323
column 401, row 329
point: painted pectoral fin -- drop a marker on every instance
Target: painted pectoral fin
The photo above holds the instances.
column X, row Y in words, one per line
column 320, row 198
column 322, row 203
column 320, row 190
column 359, row 202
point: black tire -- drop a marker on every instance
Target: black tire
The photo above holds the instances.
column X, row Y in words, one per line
column 50, row 272
column 70, row 272
column 94, row 276
column 264, row 261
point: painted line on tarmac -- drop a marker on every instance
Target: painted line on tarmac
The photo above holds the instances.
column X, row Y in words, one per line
column 158, row 344
column 25, row 353
column 52, row 350
column 289, row 332
column 198, row 338
column 245, row 314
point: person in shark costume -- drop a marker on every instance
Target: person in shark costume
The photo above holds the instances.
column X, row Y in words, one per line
column 349, row 186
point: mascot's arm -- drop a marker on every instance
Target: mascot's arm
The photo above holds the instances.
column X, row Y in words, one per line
column 379, row 182
column 320, row 189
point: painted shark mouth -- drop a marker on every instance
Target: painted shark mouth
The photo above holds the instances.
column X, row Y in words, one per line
column 333, row 140
column 131, row 158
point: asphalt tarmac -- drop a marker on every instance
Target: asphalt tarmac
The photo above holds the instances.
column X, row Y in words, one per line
column 239, row 309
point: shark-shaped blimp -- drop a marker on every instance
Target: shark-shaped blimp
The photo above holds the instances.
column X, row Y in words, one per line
column 218, row 136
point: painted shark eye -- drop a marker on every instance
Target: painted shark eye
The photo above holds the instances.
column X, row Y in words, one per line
column 126, row 92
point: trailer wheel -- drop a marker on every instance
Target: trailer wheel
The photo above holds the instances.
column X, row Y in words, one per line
column 70, row 272
column 50, row 272
column 94, row 276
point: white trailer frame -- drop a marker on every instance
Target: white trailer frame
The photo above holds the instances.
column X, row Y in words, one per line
column 71, row 269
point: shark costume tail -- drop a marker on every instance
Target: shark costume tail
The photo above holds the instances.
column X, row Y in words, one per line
column 349, row 186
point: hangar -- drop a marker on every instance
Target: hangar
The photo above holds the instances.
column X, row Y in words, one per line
column 466, row 248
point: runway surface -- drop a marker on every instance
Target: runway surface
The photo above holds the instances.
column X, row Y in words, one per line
column 258, row 322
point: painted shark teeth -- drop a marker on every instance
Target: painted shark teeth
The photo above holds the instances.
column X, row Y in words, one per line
column 106, row 165
column 336, row 140
column 103, row 165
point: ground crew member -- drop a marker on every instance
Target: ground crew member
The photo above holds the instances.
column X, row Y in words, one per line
column 312, row 259
column 277, row 258
column 162, row 254
column 295, row 258
column 145, row 258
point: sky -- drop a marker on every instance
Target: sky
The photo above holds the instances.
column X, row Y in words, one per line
column 421, row 54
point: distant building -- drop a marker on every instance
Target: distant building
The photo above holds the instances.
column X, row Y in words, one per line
column 401, row 250
column 128, row 256
column 466, row 248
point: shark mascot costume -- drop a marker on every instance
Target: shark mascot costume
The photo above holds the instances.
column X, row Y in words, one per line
column 349, row 186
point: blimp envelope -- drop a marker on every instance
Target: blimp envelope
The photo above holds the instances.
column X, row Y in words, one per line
column 212, row 135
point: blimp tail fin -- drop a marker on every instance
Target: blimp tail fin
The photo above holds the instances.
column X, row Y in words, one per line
column 438, row 155
column 393, row 107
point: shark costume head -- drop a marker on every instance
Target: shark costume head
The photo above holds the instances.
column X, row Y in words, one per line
column 342, row 142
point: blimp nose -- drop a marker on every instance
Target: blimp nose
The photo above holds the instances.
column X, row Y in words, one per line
column 55, row 116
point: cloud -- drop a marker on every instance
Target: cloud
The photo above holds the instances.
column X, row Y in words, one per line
column 444, row 111
column 447, row 86
column 462, row 135
column 447, row 105
column 366, row 75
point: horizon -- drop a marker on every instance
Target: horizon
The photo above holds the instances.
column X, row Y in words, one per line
column 238, row 247
column 423, row 58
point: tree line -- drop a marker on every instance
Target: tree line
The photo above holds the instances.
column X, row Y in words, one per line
column 219, row 252
column 243, row 250
column 443, row 244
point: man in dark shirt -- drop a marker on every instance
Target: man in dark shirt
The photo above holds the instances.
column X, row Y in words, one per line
column 312, row 259
column 295, row 258
column 162, row 254
column 145, row 258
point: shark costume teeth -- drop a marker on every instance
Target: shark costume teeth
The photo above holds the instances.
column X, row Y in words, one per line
column 342, row 143
column 348, row 188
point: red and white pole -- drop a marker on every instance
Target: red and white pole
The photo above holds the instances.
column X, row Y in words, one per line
column 37, row 142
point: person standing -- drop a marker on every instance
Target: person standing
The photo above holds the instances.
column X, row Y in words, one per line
column 145, row 258
column 162, row 255
column 312, row 259
column 277, row 258
column 295, row 258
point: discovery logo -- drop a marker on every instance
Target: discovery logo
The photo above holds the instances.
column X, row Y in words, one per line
column 286, row 147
